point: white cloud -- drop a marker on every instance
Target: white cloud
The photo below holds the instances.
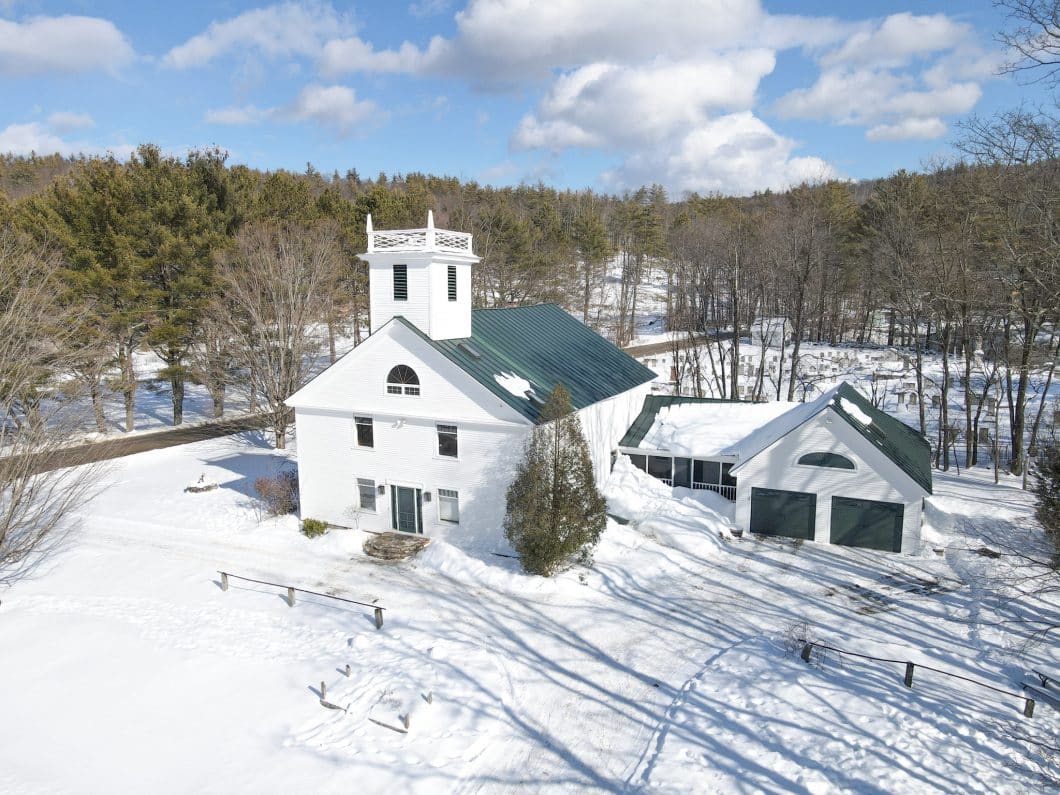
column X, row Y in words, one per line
column 735, row 153
column 899, row 77
column 898, row 38
column 506, row 42
column 605, row 104
column 333, row 107
column 353, row 54
column 908, row 129
column 67, row 121
column 248, row 114
column 292, row 29
column 24, row 139
column 608, row 87
column 65, row 44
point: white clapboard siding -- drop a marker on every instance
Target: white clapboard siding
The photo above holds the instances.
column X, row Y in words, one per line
column 358, row 382
column 449, row 319
column 606, row 422
column 382, row 306
column 405, row 453
column 876, row 476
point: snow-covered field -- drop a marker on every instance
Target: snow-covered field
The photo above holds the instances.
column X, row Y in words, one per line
column 125, row 668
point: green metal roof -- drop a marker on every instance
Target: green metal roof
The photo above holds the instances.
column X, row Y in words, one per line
column 896, row 440
column 652, row 405
column 903, row 445
column 544, row 345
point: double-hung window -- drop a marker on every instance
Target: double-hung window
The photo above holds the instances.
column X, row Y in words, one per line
column 449, row 506
column 447, row 445
column 365, row 431
column 366, row 494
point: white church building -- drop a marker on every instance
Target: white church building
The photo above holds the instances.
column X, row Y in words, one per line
column 420, row 427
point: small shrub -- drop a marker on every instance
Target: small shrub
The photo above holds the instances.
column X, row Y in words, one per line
column 278, row 494
column 314, row 527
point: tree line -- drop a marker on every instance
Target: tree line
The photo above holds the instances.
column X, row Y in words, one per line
column 232, row 275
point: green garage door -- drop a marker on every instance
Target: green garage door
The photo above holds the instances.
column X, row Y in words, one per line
column 783, row 513
column 868, row 524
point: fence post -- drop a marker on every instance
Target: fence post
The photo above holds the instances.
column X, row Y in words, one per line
column 1028, row 708
column 290, row 597
column 806, row 652
column 378, row 617
column 909, row 674
column 323, row 691
column 224, row 581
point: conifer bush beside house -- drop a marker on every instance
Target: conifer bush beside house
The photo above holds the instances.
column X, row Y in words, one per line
column 312, row 528
column 555, row 513
column 1047, row 491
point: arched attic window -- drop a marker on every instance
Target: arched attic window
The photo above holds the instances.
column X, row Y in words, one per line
column 402, row 380
column 832, row 460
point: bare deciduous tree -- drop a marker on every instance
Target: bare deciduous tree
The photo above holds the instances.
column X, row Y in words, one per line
column 35, row 504
column 276, row 282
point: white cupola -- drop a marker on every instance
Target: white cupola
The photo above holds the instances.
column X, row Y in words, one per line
column 422, row 275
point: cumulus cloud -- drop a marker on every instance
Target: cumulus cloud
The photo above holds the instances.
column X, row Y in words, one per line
column 735, row 153
column 335, row 108
column 65, row 44
column 631, row 105
column 606, row 86
column 292, row 29
column 898, row 38
column 499, row 43
column 899, row 77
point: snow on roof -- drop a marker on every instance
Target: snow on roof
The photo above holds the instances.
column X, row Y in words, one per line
column 855, row 411
column 513, row 384
column 710, row 428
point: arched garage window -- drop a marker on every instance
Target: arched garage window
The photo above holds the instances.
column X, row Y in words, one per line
column 833, row 460
column 402, row 379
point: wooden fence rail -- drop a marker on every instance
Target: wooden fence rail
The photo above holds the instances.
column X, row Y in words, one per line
column 809, row 645
column 291, row 590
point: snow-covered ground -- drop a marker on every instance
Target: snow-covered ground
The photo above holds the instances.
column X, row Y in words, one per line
column 125, row 668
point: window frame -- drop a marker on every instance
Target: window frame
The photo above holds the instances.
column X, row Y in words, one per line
column 407, row 388
column 454, row 433
column 362, row 484
column 451, row 496
column 357, row 427
column 852, row 468
column 404, row 271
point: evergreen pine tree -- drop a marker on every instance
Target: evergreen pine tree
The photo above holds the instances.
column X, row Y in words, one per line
column 1047, row 491
column 555, row 512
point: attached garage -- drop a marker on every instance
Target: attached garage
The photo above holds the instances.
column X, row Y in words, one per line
column 791, row 514
column 867, row 524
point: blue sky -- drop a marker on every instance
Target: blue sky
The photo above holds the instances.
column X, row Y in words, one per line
column 705, row 95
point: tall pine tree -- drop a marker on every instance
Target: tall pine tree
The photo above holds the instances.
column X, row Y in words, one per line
column 555, row 511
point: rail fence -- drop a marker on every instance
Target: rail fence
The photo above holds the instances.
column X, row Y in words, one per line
column 291, row 591
column 910, row 667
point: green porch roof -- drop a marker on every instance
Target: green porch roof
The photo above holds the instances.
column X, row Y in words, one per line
column 652, row 405
column 544, row 345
